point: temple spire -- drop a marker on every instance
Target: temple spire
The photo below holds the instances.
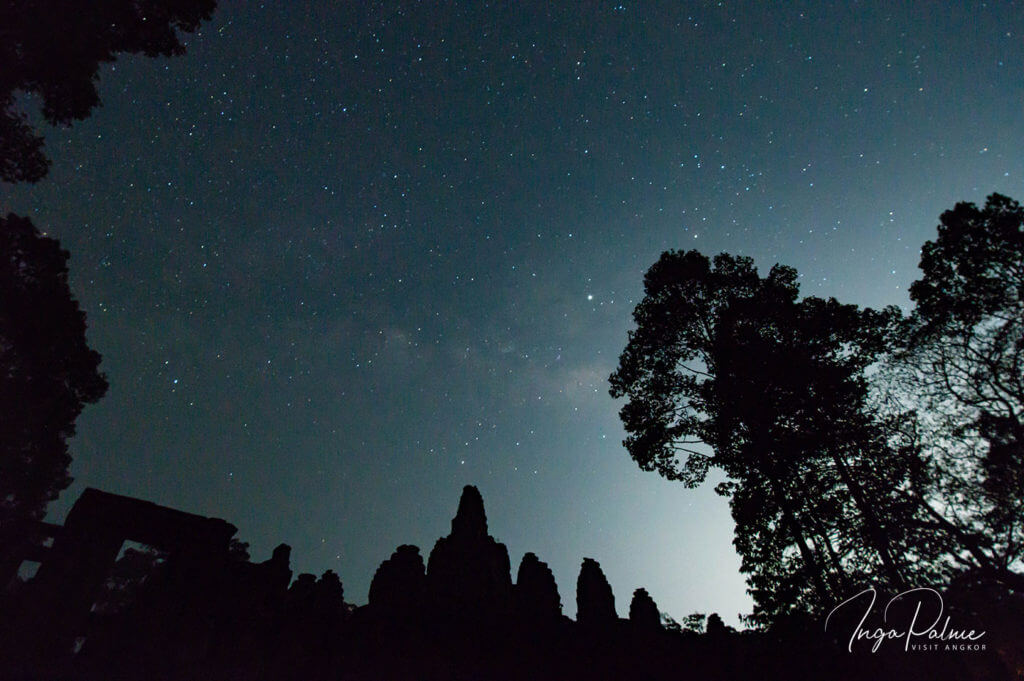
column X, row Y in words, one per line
column 470, row 520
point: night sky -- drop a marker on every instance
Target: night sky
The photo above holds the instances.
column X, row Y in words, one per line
column 342, row 261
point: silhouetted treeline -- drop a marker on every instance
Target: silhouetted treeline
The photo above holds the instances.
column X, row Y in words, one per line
column 47, row 371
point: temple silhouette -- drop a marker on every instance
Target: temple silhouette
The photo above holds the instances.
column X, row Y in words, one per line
column 193, row 606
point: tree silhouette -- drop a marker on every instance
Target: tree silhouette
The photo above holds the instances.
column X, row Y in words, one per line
column 958, row 382
column 48, row 373
column 860, row 446
column 54, row 50
column 775, row 386
column 694, row 622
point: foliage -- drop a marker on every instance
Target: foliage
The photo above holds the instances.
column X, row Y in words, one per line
column 957, row 382
column 54, row 51
column 858, row 446
column 134, row 569
column 775, row 386
column 48, row 373
column 694, row 622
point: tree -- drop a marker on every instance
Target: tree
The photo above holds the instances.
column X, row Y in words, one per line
column 694, row 622
column 48, row 373
column 775, row 386
column 54, row 50
column 957, row 382
column 859, row 446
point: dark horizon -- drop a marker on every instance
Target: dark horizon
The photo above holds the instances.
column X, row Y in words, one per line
column 191, row 604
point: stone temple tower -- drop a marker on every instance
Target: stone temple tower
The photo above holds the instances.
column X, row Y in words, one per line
column 468, row 572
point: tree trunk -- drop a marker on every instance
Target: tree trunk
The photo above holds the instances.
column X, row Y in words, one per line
column 875, row 531
column 789, row 518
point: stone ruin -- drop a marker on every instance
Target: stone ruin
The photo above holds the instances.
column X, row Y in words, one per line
column 468, row 572
column 400, row 584
column 643, row 611
column 203, row 583
column 595, row 603
column 536, row 593
column 208, row 611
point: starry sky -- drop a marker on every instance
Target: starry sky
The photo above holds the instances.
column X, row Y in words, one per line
column 342, row 260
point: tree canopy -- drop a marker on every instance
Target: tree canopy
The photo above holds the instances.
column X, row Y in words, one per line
column 959, row 380
column 802, row 403
column 54, row 50
column 48, row 373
